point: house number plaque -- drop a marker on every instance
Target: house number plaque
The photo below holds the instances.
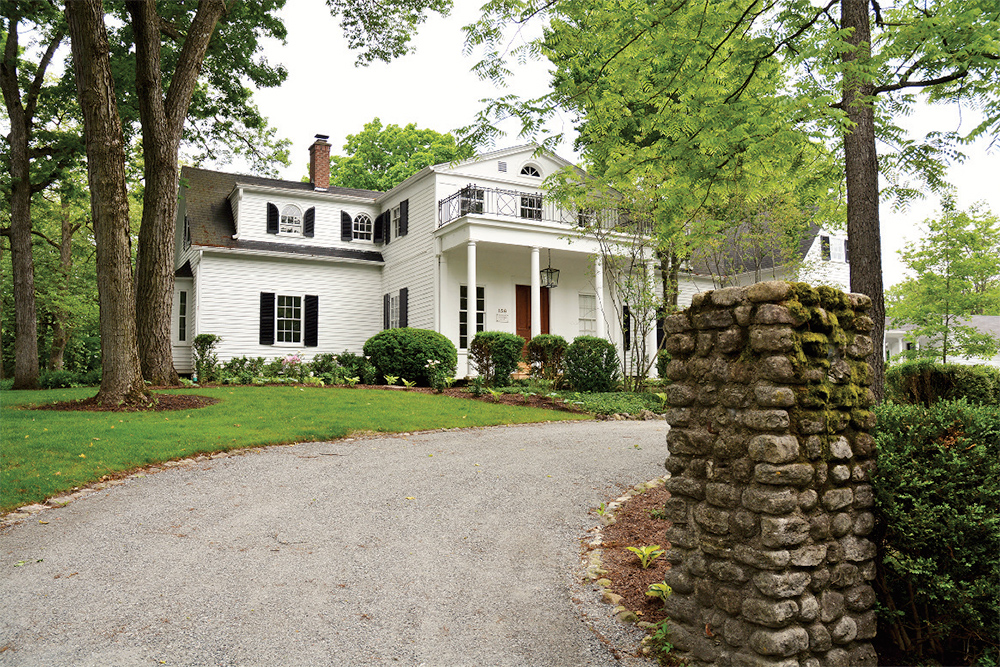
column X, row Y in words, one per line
column 502, row 315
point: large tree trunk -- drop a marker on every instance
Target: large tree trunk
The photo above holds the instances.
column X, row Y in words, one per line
column 861, row 161
column 26, row 324
column 162, row 124
column 121, row 382
column 61, row 326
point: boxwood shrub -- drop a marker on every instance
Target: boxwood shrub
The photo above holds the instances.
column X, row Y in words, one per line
column 495, row 356
column 405, row 352
column 925, row 381
column 937, row 489
column 546, row 354
column 592, row 364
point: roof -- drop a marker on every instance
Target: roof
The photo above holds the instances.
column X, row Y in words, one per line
column 735, row 255
column 988, row 324
column 210, row 217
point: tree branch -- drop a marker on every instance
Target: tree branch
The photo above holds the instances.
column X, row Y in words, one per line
column 922, row 84
column 31, row 101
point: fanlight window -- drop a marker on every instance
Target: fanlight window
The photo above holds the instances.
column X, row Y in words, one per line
column 530, row 170
column 291, row 220
column 363, row 227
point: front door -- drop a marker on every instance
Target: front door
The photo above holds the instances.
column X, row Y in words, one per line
column 523, row 315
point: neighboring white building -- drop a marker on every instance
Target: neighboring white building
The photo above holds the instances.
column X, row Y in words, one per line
column 898, row 339
column 275, row 267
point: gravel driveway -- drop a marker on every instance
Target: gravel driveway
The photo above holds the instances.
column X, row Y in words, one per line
column 447, row 548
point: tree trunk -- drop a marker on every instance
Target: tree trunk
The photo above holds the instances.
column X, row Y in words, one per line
column 61, row 326
column 861, row 162
column 162, row 124
column 22, row 262
column 121, row 381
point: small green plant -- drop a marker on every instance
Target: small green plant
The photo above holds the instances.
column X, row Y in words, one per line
column 495, row 393
column 647, row 554
column 351, row 381
column 205, row 358
column 660, row 590
column 478, row 386
column 391, row 379
column 409, row 383
column 657, row 513
column 660, row 644
column 601, row 510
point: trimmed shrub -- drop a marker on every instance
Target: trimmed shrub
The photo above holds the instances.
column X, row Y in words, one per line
column 937, row 491
column 495, row 355
column 243, row 370
column 924, row 381
column 546, row 354
column 663, row 360
column 405, row 352
column 592, row 364
column 57, row 379
column 205, row 358
column 355, row 365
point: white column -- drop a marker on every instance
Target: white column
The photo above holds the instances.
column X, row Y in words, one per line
column 651, row 335
column 599, row 290
column 536, row 295
column 471, row 282
column 441, row 290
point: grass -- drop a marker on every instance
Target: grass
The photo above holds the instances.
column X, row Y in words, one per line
column 47, row 452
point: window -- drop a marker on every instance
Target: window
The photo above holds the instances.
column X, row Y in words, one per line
column 530, row 170
column 187, row 233
column 182, row 310
column 837, row 250
column 362, row 227
column 847, row 252
column 463, row 314
column 291, row 220
column 824, row 248
column 395, row 221
column 394, row 311
column 289, row 319
column 586, row 217
column 588, row 315
column 471, row 200
column 531, row 207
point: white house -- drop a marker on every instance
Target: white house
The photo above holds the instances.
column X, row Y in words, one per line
column 276, row 266
column 899, row 339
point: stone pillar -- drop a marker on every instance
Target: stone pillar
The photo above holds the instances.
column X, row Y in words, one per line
column 770, row 454
column 536, row 294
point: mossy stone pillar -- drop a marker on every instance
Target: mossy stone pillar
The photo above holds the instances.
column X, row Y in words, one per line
column 770, row 455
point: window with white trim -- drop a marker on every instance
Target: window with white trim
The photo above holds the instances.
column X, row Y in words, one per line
column 463, row 315
column 289, row 319
column 824, row 248
column 291, row 220
column 531, row 207
column 182, row 309
column 394, row 311
column 837, row 250
column 395, row 221
column 588, row 314
column 530, row 170
column 362, row 227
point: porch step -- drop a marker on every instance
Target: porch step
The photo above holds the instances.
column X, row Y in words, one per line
column 523, row 371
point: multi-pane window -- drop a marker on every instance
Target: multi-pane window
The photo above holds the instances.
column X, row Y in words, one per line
column 182, row 310
column 394, row 311
column 290, row 221
column 531, row 207
column 824, row 248
column 529, row 170
column 471, row 200
column 588, row 315
column 395, row 221
column 463, row 315
column 289, row 319
column 837, row 250
column 362, row 227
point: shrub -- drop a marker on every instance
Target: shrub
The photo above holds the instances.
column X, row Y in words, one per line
column 405, row 352
column 58, row 379
column 91, row 378
column 243, row 370
column 663, row 360
column 924, row 381
column 495, row 355
column 324, row 363
column 592, row 364
column 205, row 358
column 937, row 490
column 546, row 354
column 355, row 365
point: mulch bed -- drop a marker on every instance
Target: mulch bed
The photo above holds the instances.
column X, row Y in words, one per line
column 158, row 403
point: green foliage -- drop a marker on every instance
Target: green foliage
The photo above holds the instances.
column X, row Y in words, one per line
column 661, row 646
column 937, row 489
column 405, row 352
column 205, row 358
column 438, row 377
column 382, row 30
column 924, row 382
column 592, row 364
column 58, row 380
column 324, row 363
column 355, row 365
column 647, row 554
column 495, row 356
column 545, row 354
column 381, row 158
column 391, row 379
column 663, row 359
column 615, row 402
column 957, row 267
column 243, row 370
column 660, row 590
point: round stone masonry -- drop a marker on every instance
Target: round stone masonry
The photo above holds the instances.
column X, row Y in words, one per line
column 770, row 456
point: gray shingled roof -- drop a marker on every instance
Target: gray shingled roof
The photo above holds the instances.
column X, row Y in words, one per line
column 210, row 217
column 735, row 259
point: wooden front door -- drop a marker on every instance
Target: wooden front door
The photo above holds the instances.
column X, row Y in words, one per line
column 523, row 314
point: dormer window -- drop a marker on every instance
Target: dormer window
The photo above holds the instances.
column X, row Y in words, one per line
column 291, row 220
column 530, row 170
column 362, row 227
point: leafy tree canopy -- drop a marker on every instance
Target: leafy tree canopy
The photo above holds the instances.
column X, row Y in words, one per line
column 957, row 274
column 380, row 158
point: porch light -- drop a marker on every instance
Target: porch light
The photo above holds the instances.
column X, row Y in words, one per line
column 550, row 276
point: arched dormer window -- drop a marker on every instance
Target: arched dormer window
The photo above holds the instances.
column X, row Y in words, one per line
column 362, row 227
column 291, row 220
column 531, row 170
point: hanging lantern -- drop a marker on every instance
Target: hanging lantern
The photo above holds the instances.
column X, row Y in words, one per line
column 550, row 276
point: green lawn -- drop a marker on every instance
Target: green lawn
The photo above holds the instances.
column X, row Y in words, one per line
column 47, row 452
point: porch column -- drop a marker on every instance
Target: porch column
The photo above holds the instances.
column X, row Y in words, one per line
column 599, row 290
column 536, row 295
column 471, row 276
column 441, row 287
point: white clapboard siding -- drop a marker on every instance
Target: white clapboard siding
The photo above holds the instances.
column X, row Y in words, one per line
column 410, row 260
column 253, row 218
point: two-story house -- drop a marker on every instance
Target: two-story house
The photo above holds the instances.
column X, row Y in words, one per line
column 275, row 267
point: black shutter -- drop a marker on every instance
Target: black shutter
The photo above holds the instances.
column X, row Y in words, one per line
column 267, row 318
column 404, row 217
column 385, row 311
column 660, row 315
column 311, row 338
column 403, row 295
column 378, row 229
column 309, row 223
column 626, row 328
column 387, row 222
column 272, row 218
column 346, row 226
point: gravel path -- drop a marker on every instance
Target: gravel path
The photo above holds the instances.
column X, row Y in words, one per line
column 446, row 548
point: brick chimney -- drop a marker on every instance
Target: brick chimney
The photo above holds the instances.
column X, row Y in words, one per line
column 319, row 162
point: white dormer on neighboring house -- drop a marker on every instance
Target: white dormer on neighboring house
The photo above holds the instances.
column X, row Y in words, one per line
column 275, row 267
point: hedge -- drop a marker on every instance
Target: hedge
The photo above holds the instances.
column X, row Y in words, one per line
column 592, row 364
column 924, row 381
column 404, row 352
column 495, row 355
column 546, row 354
